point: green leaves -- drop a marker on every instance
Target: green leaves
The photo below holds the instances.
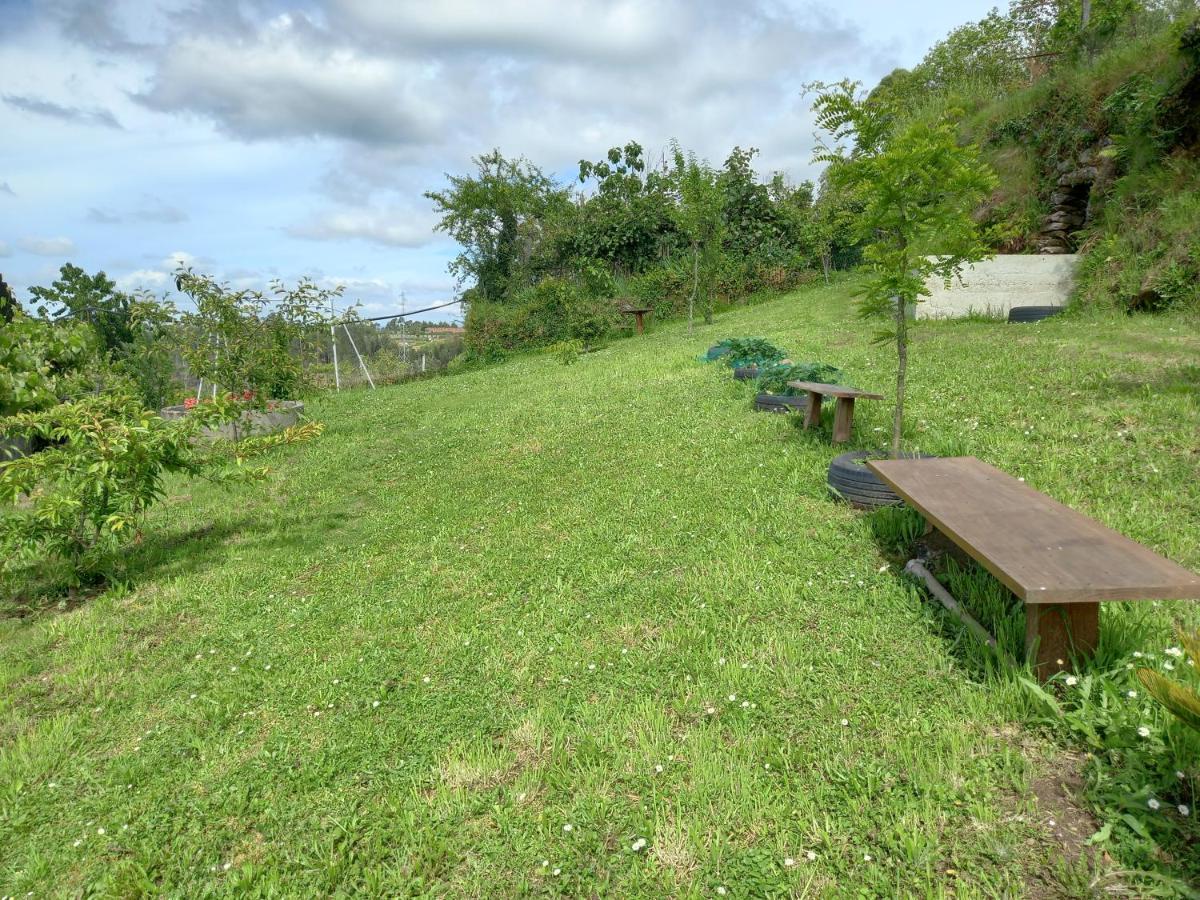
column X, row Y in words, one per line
column 919, row 189
column 242, row 340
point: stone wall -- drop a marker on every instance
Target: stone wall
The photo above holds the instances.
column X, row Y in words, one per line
column 996, row 285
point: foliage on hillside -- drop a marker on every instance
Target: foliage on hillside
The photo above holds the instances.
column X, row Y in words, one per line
column 1094, row 130
column 544, row 262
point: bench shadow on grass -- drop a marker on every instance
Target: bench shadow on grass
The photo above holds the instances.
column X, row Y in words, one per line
column 164, row 553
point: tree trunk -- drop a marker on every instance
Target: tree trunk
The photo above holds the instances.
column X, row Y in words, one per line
column 695, row 285
column 1085, row 14
column 901, row 373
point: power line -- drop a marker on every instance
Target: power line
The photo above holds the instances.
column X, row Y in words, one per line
column 403, row 315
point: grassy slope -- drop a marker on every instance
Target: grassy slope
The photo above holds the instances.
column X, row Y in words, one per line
column 464, row 551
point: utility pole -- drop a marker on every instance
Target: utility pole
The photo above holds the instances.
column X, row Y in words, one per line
column 403, row 328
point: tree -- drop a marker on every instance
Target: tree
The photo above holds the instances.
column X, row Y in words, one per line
column 699, row 209
column 919, row 189
column 627, row 222
column 497, row 216
column 242, row 341
column 131, row 329
column 94, row 299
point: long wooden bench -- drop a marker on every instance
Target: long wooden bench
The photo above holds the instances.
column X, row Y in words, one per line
column 1060, row 563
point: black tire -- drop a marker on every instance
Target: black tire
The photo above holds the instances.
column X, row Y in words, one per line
column 716, row 353
column 851, row 480
column 1032, row 313
column 780, row 403
column 745, row 373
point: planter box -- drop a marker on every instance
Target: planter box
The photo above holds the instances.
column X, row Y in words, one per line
column 13, row 447
column 251, row 423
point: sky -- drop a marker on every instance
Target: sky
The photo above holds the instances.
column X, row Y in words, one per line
column 255, row 140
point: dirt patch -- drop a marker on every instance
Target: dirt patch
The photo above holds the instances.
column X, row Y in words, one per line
column 1065, row 824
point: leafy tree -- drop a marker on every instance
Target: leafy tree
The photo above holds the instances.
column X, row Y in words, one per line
column 699, row 210
column 131, row 329
column 242, row 341
column 77, row 296
column 749, row 216
column 84, row 497
column 498, row 217
column 8, row 303
column 919, row 190
column 41, row 364
column 628, row 221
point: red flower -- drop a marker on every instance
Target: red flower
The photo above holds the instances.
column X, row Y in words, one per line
column 189, row 403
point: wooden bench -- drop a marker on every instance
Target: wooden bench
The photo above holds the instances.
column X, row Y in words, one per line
column 843, row 413
column 1060, row 563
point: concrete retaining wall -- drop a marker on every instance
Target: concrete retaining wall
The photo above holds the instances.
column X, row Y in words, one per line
column 996, row 285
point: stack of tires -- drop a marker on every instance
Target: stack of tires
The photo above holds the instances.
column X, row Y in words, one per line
column 745, row 373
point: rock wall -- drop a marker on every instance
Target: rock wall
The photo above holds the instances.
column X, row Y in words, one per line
column 996, row 285
column 1071, row 201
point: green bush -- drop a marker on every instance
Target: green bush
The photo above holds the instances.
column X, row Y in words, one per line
column 774, row 379
column 555, row 309
column 41, row 363
column 84, row 497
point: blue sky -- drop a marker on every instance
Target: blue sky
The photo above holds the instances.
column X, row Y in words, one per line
column 256, row 140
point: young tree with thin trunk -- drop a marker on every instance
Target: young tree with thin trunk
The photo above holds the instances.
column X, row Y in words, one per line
column 699, row 205
column 919, row 189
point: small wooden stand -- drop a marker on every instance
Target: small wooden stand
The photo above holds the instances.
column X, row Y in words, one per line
column 843, row 413
column 639, row 314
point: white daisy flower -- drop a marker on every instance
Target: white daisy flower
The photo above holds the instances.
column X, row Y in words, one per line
column 1153, row 804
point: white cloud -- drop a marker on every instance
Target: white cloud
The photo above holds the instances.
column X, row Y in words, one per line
column 148, row 279
column 393, row 228
column 290, row 80
column 605, row 30
column 47, row 246
column 5, row 250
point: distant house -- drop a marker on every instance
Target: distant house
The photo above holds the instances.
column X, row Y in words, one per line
column 445, row 330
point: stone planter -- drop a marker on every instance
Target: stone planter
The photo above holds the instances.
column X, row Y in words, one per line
column 252, row 423
column 13, row 447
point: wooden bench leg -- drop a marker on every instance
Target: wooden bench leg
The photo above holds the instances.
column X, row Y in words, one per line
column 1054, row 632
column 813, row 416
column 843, row 419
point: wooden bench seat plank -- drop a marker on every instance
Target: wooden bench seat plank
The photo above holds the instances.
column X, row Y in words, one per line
column 834, row 390
column 1043, row 551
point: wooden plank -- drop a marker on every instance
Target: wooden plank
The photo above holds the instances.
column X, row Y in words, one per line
column 843, row 419
column 1055, row 632
column 813, row 416
column 833, row 390
column 1043, row 551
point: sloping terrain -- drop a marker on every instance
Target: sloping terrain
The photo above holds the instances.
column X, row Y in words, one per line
column 493, row 630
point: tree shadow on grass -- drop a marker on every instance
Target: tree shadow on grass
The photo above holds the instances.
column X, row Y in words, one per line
column 47, row 589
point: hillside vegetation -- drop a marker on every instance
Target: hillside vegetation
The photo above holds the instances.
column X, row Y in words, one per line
column 1094, row 132
column 575, row 630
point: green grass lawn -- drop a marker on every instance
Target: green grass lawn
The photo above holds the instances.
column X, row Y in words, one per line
column 586, row 630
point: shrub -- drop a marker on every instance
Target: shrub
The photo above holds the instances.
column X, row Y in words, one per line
column 243, row 340
column 751, row 352
column 85, row 496
column 774, row 379
column 41, row 363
